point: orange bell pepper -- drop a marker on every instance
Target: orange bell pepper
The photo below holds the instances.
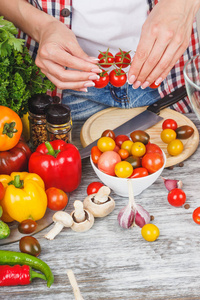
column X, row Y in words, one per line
column 24, row 197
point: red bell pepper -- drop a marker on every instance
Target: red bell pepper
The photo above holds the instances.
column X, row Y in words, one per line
column 59, row 165
column 15, row 159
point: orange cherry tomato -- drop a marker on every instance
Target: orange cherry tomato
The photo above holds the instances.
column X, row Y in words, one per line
column 175, row 147
column 123, row 153
column 95, row 154
column 10, row 128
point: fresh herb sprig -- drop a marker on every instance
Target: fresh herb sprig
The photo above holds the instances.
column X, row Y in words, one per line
column 20, row 78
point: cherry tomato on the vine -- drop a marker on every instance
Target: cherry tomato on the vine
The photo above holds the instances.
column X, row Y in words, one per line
column 95, row 154
column 196, row 215
column 106, row 59
column 169, row 124
column 102, row 81
column 122, row 59
column 106, row 143
column 117, row 77
column 139, row 172
column 154, row 86
column 176, row 197
column 57, row 199
column 150, row 232
column 93, row 187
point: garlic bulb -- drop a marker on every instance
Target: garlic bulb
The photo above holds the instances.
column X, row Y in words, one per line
column 133, row 214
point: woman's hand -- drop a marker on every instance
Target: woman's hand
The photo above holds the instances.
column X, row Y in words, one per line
column 164, row 38
column 58, row 49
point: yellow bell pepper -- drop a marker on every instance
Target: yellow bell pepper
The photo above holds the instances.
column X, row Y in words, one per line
column 25, row 196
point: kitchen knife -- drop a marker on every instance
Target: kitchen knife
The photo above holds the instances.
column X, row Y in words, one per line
column 144, row 120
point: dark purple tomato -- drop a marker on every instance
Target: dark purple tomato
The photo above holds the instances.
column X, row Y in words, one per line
column 140, row 136
column 27, row 226
column 30, row 245
column 135, row 161
column 184, row 132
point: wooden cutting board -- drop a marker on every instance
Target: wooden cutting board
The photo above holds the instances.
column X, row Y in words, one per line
column 111, row 118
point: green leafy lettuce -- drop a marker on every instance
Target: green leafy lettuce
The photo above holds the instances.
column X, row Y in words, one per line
column 20, row 78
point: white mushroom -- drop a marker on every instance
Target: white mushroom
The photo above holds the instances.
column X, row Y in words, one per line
column 61, row 219
column 73, row 282
column 83, row 219
column 100, row 204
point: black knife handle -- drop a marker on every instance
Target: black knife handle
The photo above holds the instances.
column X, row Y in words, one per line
column 168, row 100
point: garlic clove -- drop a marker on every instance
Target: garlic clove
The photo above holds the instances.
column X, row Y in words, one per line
column 142, row 216
column 126, row 217
column 171, row 184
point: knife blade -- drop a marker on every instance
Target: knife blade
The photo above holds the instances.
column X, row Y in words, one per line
column 144, row 120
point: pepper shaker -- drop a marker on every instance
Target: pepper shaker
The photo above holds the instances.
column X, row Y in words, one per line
column 59, row 123
column 37, row 105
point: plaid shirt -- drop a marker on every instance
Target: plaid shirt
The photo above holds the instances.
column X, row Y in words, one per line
column 174, row 79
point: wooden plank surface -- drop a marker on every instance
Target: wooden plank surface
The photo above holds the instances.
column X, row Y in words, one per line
column 117, row 264
column 111, row 118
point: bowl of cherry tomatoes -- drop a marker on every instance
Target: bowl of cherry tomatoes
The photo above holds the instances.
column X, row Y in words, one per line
column 117, row 159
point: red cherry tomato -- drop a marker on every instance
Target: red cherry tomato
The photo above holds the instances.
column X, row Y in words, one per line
column 154, row 86
column 120, row 139
column 152, row 162
column 102, row 81
column 2, row 191
column 107, row 162
column 196, row 215
column 93, row 187
column 57, row 199
column 169, row 124
column 95, row 154
column 122, row 59
column 139, row 172
column 117, row 77
column 153, row 148
column 176, row 197
column 106, row 59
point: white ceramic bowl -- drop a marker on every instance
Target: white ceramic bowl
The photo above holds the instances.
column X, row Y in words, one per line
column 120, row 185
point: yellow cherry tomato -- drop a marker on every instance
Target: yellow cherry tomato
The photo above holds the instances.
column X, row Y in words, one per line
column 138, row 149
column 150, row 232
column 123, row 169
column 127, row 145
column 168, row 135
column 175, row 147
column 106, row 144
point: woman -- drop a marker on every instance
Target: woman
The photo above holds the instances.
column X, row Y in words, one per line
column 65, row 36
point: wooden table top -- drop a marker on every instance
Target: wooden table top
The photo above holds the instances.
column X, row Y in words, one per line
column 114, row 263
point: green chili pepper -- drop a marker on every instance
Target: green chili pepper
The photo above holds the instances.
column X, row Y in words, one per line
column 13, row 258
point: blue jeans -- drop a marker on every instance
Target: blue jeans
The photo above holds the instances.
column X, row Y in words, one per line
column 83, row 105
